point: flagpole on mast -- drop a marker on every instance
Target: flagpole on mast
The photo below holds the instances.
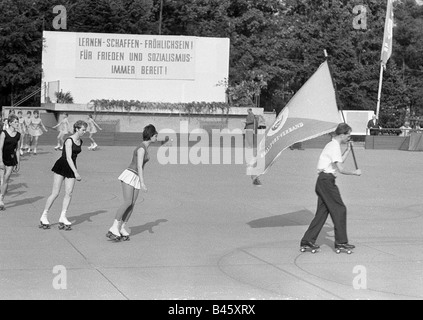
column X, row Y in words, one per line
column 339, row 105
column 386, row 48
column 379, row 91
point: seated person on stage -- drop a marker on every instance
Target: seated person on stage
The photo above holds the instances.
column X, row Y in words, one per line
column 405, row 129
column 373, row 126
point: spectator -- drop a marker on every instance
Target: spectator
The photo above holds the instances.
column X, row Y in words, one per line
column 250, row 124
column 405, row 129
column 373, row 126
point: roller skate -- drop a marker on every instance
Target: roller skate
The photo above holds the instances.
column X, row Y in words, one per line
column 64, row 224
column 344, row 247
column 113, row 236
column 124, row 233
column 56, row 148
column 2, row 207
column 94, row 147
column 309, row 246
column 44, row 224
column 113, row 233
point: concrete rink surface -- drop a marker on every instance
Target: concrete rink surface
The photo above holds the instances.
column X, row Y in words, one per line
column 205, row 232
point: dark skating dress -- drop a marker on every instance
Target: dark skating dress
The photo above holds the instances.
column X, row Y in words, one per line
column 61, row 166
column 9, row 149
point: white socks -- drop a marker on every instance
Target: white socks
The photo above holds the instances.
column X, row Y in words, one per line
column 115, row 228
column 123, row 232
column 43, row 218
column 63, row 218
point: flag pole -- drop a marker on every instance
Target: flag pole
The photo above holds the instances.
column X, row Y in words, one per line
column 386, row 48
column 339, row 105
column 379, row 91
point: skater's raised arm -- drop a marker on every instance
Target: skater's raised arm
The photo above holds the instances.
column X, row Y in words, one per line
column 42, row 124
column 57, row 125
column 95, row 123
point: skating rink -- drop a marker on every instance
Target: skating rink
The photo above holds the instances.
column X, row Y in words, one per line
column 205, row 232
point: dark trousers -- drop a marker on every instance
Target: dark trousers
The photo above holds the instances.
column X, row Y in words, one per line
column 329, row 202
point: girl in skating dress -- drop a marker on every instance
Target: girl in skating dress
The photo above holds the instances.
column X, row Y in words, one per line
column 26, row 139
column 65, row 170
column 21, row 130
column 63, row 130
column 9, row 154
column 35, row 131
column 132, row 180
column 92, row 128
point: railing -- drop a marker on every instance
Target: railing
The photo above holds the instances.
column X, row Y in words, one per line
column 32, row 94
column 394, row 131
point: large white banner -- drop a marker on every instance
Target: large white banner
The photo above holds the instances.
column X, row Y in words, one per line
column 117, row 56
column 147, row 68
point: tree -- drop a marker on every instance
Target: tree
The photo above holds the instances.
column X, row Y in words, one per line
column 20, row 57
column 274, row 45
column 408, row 41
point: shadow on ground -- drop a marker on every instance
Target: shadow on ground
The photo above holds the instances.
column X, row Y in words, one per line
column 146, row 227
column 86, row 217
column 297, row 218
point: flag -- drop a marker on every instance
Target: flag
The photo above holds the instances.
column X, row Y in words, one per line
column 312, row 112
column 387, row 36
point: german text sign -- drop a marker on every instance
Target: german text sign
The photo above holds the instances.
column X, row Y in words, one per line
column 115, row 56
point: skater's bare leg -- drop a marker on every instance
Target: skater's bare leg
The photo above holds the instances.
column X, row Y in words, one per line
column 128, row 195
column 35, row 144
column 5, row 182
column 57, row 184
column 127, row 215
column 69, row 185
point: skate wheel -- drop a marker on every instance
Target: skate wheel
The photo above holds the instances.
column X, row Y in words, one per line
column 338, row 251
column 349, row 251
column 313, row 251
column 302, row 249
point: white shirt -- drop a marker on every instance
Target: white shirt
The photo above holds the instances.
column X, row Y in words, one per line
column 331, row 153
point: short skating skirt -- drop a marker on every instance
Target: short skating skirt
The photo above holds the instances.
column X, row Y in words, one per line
column 131, row 178
column 35, row 132
column 62, row 168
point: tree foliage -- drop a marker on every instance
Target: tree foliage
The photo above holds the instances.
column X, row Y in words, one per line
column 275, row 45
